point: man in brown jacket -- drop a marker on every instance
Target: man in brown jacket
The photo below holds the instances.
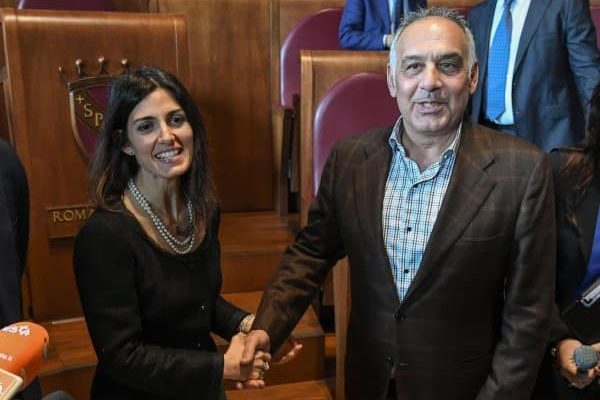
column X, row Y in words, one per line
column 449, row 231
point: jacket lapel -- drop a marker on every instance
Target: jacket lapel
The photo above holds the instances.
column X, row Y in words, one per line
column 369, row 187
column 535, row 14
column 467, row 190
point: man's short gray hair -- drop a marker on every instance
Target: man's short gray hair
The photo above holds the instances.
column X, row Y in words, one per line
column 442, row 12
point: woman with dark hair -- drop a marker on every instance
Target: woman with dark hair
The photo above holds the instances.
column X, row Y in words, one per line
column 577, row 189
column 147, row 260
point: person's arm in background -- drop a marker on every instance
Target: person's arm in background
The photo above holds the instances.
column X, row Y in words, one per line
column 14, row 232
column 562, row 344
column 357, row 29
column 584, row 57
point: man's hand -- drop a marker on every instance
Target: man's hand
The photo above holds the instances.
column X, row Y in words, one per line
column 234, row 370
column 566, row 364
column 288, row 351
column 257, row 341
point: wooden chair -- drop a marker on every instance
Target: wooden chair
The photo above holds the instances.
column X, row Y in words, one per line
column 321, row 70
column 86, row 5
column 595, row 11
column 318, row 31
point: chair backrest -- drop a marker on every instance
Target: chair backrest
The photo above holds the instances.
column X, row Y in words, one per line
column 82, row 5
column 595, row 11
column 317, row 31
column 54, row 107
column 356, row 104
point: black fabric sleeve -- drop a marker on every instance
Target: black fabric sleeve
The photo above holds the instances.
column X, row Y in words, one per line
column 106, row 277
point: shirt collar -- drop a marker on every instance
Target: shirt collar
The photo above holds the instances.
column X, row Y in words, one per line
column 396, row 144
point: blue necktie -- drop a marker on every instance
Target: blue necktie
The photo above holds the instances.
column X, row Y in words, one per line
column 497, row 66
column 593, row 268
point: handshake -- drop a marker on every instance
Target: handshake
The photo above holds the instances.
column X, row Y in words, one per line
column 247, row 358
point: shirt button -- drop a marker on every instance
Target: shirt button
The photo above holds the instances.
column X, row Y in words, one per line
column 406, row 271
column 408, row 229
column 400, row 316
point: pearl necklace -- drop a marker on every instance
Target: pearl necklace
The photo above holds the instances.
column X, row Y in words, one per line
column 178, row 246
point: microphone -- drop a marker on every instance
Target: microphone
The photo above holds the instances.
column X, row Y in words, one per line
column 585, row 358
column 58, row 395
column 23, row 347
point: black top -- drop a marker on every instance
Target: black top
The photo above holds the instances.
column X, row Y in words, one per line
column 150, row 313
column 574, row 246
column 14, row 230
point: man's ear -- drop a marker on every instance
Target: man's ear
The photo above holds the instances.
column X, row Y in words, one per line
column 391, row 81
column 474, row 78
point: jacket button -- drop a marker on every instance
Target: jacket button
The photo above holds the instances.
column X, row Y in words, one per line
column 389, row 360
column 400, row 316
column 203, row 308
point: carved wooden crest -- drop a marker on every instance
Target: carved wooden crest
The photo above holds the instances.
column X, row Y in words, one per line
column 88, row 99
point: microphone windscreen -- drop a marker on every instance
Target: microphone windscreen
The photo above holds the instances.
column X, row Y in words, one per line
column 585, row 358
column 22, row 349
column 59, row 395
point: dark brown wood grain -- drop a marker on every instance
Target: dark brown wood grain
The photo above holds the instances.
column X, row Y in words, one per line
column 37, row 43
column 229, row 60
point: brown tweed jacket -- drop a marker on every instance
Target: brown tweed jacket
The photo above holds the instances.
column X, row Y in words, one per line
column 475, row 320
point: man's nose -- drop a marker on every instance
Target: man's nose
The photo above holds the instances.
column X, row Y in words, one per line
column 430, row 78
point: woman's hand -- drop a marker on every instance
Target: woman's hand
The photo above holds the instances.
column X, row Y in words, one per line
column 234, row 371
column 565, row 362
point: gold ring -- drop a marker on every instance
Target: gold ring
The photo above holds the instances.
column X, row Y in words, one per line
column 266, row 366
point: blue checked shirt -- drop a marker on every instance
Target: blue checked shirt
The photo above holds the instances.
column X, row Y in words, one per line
column 411, row 204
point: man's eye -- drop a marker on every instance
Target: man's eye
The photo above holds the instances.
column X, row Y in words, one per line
column 449, row 67
column 413, row 68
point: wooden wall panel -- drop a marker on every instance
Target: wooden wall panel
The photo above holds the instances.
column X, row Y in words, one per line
column 230, row 64
column 36, row 44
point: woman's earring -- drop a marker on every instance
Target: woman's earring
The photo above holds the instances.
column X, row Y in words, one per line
column 128, row 151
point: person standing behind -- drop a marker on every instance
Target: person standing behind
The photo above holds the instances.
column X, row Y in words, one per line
column 14, row 238
column 449, row 231
column 539, row 64
column 577, row 184
column 370, row 24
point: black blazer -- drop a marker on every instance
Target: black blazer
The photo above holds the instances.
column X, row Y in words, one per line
column 150, row 313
